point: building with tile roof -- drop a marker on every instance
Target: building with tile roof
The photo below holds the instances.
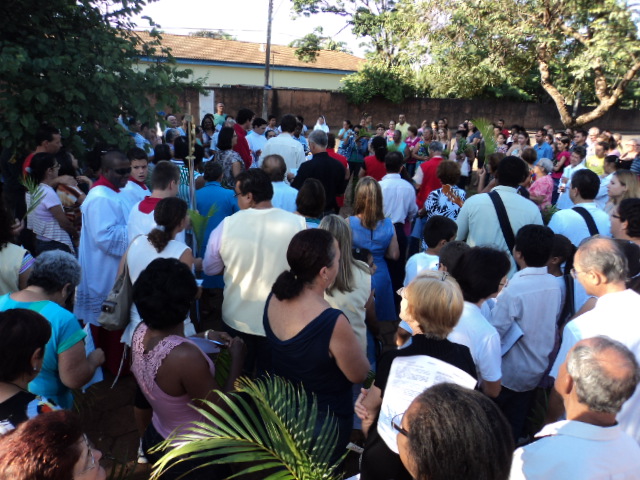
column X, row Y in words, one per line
column 230, row 62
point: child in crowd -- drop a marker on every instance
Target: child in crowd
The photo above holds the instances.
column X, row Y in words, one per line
column 438, row 231
column 525, row 316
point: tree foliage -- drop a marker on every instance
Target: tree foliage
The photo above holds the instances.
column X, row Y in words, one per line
column 308, row 47
column 215, row 34
column 392, row 83
column 76, row 64
column 578, row 47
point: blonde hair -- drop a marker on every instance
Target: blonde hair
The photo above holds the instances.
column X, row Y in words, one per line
column 629, row 180
column 434, row 301
column 368, row 202
column 339, row 228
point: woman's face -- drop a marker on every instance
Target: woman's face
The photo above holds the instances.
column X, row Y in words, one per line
column 522, row 139
column 380, row 131
column 441, row 134
column 345, row 125
column 320, row 121
column 440, row 123
column 207, row 123
column 470, row 125
column 561, row 146
column 271, row 134
column 615, row 188
column 88, row 465
column 392, row 125
column 500, row 139
column 618, row 228
column 403, row 440
column 539, row 171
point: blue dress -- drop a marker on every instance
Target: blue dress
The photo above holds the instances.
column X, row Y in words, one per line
column 377, row 241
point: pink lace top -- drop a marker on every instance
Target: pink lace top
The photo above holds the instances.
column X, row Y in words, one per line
column 169, row 412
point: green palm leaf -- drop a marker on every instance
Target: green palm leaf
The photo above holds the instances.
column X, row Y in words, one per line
column 486, row 129
column 36, row 194
column 199, row 223
column 268, row 423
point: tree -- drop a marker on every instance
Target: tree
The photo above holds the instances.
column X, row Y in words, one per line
column 382, row 24
column 579, row 48
column 215, row 34
column 76, row 64
column 308, row 47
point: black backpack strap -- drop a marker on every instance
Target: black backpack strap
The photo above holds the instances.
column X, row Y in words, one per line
column 591, row 224
column 503, row 218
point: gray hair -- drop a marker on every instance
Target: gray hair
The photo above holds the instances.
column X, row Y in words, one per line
column 602, row 254
column 319, row 137
column 52, row 270
column 435, row 147
column 545, row 164
column 596, row 386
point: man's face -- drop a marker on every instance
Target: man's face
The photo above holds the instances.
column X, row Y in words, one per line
column 599, row 151
column 397, row 136
column 244, row 201
column 593, row 134
column 220, row 108
column 297, row 131
column 575, row 159
column 500, row 124
column 539, row 138
column 579, row 138
column 260, row 130
column 118, row 175
column 172, row 121
column 139, row 170
column 401, row 119
column 54, row 145
column 380, row 131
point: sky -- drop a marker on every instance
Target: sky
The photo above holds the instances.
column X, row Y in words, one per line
column 244, row 19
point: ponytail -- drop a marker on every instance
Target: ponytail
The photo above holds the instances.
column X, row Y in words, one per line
column 168, row 214
column 287, row 286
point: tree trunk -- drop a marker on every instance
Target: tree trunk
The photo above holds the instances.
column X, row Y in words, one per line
column 545, row 80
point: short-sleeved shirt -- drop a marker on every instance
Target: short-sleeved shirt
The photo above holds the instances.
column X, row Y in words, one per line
column 65, row 333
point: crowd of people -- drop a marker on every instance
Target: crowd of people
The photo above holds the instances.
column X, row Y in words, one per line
column 488, row 284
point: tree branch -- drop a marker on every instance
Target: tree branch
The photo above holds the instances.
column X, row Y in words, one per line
column 550, row 88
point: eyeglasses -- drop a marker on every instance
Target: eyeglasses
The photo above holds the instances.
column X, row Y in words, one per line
column 396, row 424
column 122, row 171
column 575, row 273
column 91, row 459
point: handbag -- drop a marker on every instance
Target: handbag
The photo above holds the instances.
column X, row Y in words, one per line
column 115, row 310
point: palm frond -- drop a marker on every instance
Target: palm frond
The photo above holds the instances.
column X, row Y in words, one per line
column 199, row 223
column 36, row 194
column 268, row 423
column 486, row 129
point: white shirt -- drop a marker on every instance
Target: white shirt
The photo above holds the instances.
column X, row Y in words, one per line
column 564, row 201
column 616, row 316
column 475, row 332
column 256, row 142
column 284, row 196
column 398, row 198
column 417, row 263
column 131, row 194
column 576, row 450
column 286, row 146
column 478, row 223
column 531, row 301
column 603, row 191
column 570, row 223
column 141, row 223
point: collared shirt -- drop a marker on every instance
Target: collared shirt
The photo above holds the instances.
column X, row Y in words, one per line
column 572, row 225
column 398, row 198
column 531, row 301
column 578, row 450
column 616, row 316
column 478, row 223
column 544, row 151
column 329, row 171
column 564, row 200
column 284, row 196
column 475, row 332
column 256, row 142
column 288, row 148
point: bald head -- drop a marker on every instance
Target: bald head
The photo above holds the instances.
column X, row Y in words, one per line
column 275, row 167
column 116, row 168
column 605, row 373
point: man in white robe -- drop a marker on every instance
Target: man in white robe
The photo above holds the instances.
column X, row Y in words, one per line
column 103, row 242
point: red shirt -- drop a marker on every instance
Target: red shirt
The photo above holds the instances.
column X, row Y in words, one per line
column 27, row 163
column 374, row 167
column 430, row 180
column 242, row 146
column 343, row 160
column 105, row 183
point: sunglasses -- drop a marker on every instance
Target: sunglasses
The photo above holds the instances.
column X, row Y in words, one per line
column 122, row 171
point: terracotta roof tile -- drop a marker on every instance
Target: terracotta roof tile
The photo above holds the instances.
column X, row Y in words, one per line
column 233, row 51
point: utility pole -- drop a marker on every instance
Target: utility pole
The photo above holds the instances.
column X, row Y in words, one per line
column 267, row 61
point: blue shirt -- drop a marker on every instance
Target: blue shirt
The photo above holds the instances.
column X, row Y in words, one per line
column 544, row 151
column 226, row 204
